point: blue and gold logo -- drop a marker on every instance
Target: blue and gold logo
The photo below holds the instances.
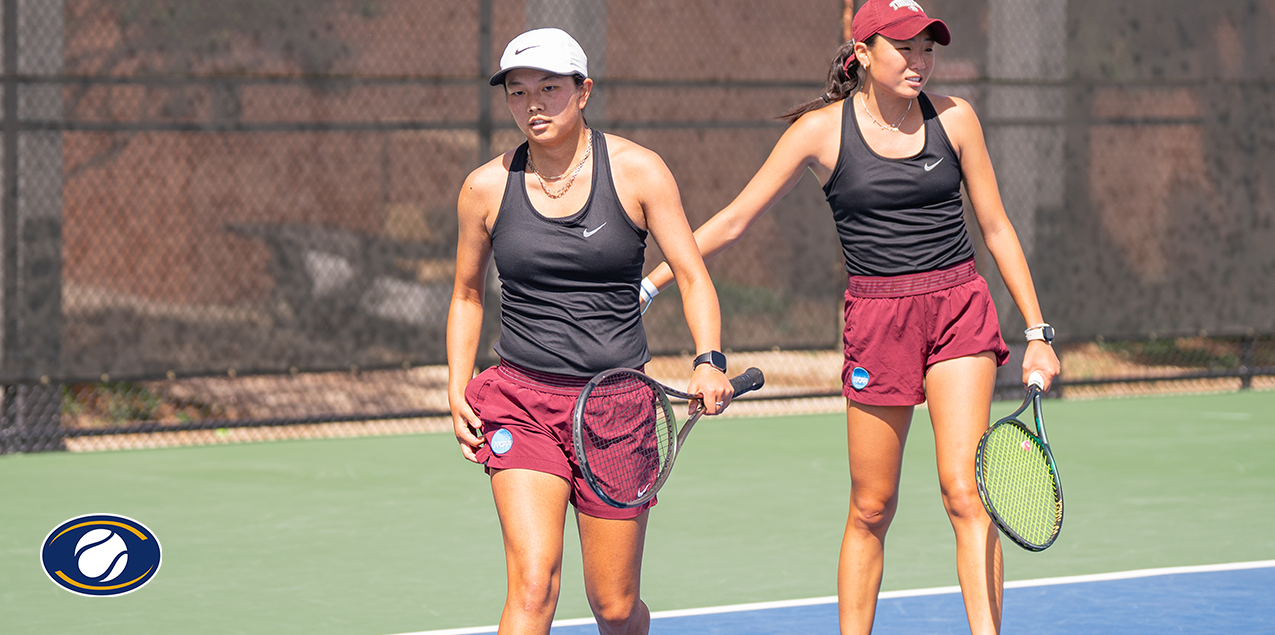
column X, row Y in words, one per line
column 100, row 554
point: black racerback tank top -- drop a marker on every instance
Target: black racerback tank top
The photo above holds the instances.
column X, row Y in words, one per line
column 569, row 286
column 898, row 216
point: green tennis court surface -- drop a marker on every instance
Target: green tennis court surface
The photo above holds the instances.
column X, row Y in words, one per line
column 398, row 534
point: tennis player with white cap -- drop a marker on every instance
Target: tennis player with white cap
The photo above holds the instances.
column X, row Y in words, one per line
column 566, row 216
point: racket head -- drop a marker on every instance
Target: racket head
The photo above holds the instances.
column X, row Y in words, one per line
column 625, row 436
column 1018, row 483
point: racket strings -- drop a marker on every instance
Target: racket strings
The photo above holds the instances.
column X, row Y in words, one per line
column 1020, row 484
column 628, row 436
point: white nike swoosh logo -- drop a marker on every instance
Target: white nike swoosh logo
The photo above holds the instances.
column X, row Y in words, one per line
column 590, row 232
column 642, row 491
column 929, row 167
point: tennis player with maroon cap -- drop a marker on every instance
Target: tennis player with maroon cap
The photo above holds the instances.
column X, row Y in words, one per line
column 920, row 323
column 566, row 216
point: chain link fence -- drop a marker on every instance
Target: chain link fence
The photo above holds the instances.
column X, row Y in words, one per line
column 236, row 220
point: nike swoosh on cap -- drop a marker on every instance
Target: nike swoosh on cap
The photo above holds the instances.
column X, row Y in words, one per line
column 524, row 50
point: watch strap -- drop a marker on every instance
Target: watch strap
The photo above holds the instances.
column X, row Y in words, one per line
column 1041, row 332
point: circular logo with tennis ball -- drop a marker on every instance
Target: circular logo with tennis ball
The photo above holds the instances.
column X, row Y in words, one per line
column 100, row 554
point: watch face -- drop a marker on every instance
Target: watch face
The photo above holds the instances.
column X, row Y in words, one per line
column 714, row 358
column 719, row 361
column 1048, row 332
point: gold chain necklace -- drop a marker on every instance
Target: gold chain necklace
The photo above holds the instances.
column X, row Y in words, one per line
column 895, row 127
column 588, row 148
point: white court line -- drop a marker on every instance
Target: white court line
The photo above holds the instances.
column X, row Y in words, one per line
column 1020, row 584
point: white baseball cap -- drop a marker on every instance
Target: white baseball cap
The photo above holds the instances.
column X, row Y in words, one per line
column 550, row 50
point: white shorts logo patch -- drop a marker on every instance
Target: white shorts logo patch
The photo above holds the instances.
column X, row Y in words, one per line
column 502, row 441
column 859, row 378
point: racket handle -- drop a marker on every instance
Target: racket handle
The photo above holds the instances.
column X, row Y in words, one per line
column 749, row 380
column 1036, row 379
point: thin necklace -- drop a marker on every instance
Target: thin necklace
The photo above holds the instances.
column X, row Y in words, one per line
column 895, row 127
column 574, row 173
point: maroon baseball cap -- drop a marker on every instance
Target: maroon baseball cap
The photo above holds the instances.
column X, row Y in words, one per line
column 897, row 20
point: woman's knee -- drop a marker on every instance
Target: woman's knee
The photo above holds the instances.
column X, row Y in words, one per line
column 616, row 610
column 534, row 589
column 873, row 513
column 963, row 503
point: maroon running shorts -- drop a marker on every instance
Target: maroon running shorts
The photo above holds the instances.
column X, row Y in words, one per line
column 897, row 327
column 526, row 419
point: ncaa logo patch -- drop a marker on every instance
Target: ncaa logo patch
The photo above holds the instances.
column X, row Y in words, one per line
column 100, row 555
column 502, row 441
column 859, row 378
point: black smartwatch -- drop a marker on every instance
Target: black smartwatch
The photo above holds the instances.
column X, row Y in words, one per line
column 715, row 358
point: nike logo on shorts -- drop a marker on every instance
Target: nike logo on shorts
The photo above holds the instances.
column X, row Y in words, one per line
column 590, row 232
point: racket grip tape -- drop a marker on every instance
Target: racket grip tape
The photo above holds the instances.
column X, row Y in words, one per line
column 1036, row 379
column 748, row 381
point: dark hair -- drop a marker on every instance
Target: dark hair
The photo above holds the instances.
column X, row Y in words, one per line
column 843, row 80
column 579, row 79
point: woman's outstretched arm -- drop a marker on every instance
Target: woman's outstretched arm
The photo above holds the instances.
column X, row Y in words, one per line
column 812, row 142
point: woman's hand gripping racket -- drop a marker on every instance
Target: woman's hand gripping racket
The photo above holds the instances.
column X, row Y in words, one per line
column 626, row 437
column 1017, row 478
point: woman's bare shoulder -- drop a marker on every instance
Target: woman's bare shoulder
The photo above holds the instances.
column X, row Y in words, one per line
column 817, row 128
column 953, row 109
column 629, row 149
column 630, row 159
column 490, row 175
column 485, row 186
column 825, row 116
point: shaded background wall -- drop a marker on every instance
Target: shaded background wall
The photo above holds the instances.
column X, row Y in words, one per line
column 274, row 186
column 245, row 187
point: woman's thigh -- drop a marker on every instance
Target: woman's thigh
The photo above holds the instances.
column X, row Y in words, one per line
column 532, row 507
column 959, row 398
column 612, row 556
column 875, row 437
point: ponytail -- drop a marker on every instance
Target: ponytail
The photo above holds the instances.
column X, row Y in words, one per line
column 843, row 80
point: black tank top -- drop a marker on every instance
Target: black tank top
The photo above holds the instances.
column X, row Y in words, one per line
column 898, row 216
column 569, row 286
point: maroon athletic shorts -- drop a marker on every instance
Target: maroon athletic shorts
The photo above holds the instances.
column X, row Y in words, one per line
column 526, row 418
column 897, row 327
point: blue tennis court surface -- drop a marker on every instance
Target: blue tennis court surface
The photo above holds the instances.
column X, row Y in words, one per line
column 1230, row 599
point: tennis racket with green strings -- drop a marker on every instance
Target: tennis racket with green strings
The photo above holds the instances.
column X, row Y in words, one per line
column 1017, row 477
column 626, row 435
